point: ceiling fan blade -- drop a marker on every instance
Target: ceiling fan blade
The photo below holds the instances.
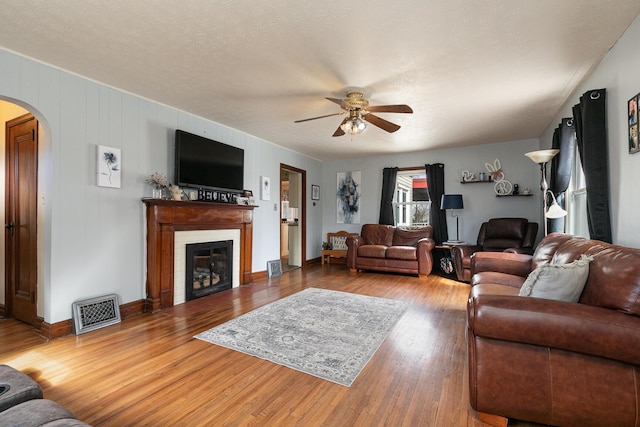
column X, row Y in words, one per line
column 381, row 123
column 390, row 109
column 339, row 131
column 319, row 117
column 336, row 100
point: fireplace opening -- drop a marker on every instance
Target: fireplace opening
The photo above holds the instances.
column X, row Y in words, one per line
column 208, row 268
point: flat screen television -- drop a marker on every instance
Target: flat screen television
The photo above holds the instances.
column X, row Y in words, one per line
column 205, row 163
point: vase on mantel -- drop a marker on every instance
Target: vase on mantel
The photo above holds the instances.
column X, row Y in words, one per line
column 157, row 192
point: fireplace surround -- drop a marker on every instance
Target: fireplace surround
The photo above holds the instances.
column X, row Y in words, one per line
column 166, row 217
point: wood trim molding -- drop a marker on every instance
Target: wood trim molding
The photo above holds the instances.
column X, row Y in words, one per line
column 165, row 217
column 131, row 308
column 56, row 330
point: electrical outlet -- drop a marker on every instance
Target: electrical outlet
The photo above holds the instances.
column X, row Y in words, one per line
column 275, row 207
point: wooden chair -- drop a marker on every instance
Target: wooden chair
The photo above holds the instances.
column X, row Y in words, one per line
column 337, row 246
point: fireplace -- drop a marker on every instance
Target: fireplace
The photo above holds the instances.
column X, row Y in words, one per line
column 209, row 268
column 172, row 224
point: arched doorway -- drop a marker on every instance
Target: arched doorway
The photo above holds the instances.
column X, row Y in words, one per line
column 21, row 265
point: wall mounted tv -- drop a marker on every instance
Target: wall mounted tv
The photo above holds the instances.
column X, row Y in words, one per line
column 205, row 163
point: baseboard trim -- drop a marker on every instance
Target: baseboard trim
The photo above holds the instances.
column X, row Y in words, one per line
column 131, row 309
column 56, row 330
column 259, row 275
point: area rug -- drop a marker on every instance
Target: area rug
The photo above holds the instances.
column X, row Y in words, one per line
column 328, row 334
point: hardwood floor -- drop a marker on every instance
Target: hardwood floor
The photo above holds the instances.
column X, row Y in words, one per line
column 149, row 370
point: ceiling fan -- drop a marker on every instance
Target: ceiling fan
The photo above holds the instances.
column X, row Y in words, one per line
column 359, row 111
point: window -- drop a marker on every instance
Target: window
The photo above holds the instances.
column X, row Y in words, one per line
column 411, row 203
column 576, row 201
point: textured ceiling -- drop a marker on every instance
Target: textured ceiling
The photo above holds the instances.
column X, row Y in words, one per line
column 473, row 71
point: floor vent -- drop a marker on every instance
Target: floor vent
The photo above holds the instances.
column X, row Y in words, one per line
column 95, row 313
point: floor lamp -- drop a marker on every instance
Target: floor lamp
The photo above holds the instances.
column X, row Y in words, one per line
column 452, row 202
column 542, row 157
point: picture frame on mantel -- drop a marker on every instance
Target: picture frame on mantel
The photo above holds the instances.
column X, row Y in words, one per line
column 632, row 109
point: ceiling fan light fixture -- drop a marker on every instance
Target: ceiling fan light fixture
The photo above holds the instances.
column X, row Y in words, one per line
column 354, row 126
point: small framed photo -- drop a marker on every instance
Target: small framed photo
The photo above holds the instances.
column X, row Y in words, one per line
column 274, row 268
column 632, row 109
column 247, row 193
column 315, row 192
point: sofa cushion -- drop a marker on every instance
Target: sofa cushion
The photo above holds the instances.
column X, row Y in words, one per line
column 410, row 236
column 563, row 282
column 372, row 251
column 377, row 234
column 401, row 252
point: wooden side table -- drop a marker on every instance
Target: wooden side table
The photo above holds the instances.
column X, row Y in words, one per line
column 332, row 253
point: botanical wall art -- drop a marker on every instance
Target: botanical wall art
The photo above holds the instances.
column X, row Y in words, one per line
column 348, row 197
column 632, row 108
column 108, row 167
column 265, row 188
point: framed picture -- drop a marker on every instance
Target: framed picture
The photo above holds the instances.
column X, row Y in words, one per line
column 348, row 197
column 265, row 188
column 632, row 109
column 315, row 192
column 108, row 164
column 274, row 268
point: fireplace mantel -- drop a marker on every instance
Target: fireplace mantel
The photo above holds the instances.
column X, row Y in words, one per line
column 165, row 217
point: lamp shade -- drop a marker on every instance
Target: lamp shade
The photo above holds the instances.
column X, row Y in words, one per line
column 542, row 156
column 451, row 201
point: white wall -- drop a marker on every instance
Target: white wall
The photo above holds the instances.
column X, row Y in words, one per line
column 480, row 201
column 619, row 73
column 93, row 238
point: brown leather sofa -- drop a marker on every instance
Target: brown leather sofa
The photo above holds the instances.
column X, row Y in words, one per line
column 495, row 235
column 555, row 362
column 387, row 248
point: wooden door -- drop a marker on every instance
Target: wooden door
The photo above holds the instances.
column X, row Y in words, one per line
column 20, row 217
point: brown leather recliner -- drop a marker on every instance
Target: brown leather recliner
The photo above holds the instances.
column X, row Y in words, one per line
column 496, row 235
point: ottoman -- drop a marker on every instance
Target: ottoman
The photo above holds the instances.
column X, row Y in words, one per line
column 16, row 387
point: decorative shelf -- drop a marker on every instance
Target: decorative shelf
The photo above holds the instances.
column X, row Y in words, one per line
column 514, row 195
column 476, row 181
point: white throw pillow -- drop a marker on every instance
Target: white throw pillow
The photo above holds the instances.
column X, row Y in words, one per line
column 563, row 282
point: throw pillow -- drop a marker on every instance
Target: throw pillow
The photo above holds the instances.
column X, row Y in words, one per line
column 563, row 282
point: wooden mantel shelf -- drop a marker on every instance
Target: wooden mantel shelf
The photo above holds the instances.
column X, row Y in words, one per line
column 165, row 217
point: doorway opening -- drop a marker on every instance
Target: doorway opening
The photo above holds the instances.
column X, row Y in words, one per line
column 20, row 239
column 292, row 217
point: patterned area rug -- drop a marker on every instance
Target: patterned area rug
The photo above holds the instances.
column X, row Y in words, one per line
column 329, row 334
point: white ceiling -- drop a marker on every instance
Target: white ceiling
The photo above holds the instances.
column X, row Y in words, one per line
column 473, row 71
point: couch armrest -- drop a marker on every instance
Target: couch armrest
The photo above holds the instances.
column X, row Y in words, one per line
column 353, row 242
column 425, row 258
column 501, row 262
column 561, row 325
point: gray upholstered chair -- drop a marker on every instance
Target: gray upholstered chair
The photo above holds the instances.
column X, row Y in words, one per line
column 496, row 235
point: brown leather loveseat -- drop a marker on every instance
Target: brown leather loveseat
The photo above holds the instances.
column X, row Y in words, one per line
column 387, row 248
column 495, row 235
column 556, row 362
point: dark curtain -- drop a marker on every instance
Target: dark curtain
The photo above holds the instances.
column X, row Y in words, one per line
column 564, row 139
column 591, row 135
column 437, row 216
column 389, row 176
